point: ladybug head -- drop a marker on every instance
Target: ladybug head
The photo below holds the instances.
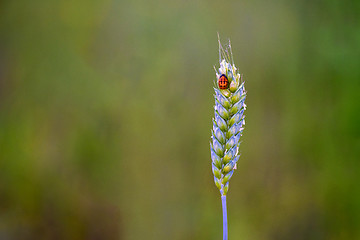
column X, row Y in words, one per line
column 223, row 82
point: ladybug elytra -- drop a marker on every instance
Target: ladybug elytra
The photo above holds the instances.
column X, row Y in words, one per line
column 223, row 82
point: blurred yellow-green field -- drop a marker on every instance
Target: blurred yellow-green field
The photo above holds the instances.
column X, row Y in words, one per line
column 106, row 109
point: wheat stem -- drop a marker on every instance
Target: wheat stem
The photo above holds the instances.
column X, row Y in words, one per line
column 225, row 222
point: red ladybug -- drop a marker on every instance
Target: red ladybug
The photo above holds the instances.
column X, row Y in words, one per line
column 223, row 82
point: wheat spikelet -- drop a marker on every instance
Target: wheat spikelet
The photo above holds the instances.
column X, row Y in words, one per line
column 228, row 123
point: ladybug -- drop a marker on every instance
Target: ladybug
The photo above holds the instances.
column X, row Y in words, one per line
column 223, row 82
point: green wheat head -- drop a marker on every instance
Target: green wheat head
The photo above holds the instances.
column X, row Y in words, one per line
column 229, row 122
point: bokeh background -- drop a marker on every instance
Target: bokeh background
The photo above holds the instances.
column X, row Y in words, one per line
column 105, row 118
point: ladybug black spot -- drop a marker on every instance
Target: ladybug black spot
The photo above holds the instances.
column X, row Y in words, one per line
column 223, row 82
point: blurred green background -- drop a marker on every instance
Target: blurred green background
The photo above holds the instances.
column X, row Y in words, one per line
column 105, row 118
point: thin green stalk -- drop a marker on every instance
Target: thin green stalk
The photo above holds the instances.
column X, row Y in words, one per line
column 225, row 223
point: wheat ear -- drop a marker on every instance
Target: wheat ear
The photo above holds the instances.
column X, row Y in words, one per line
column 228, row 124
